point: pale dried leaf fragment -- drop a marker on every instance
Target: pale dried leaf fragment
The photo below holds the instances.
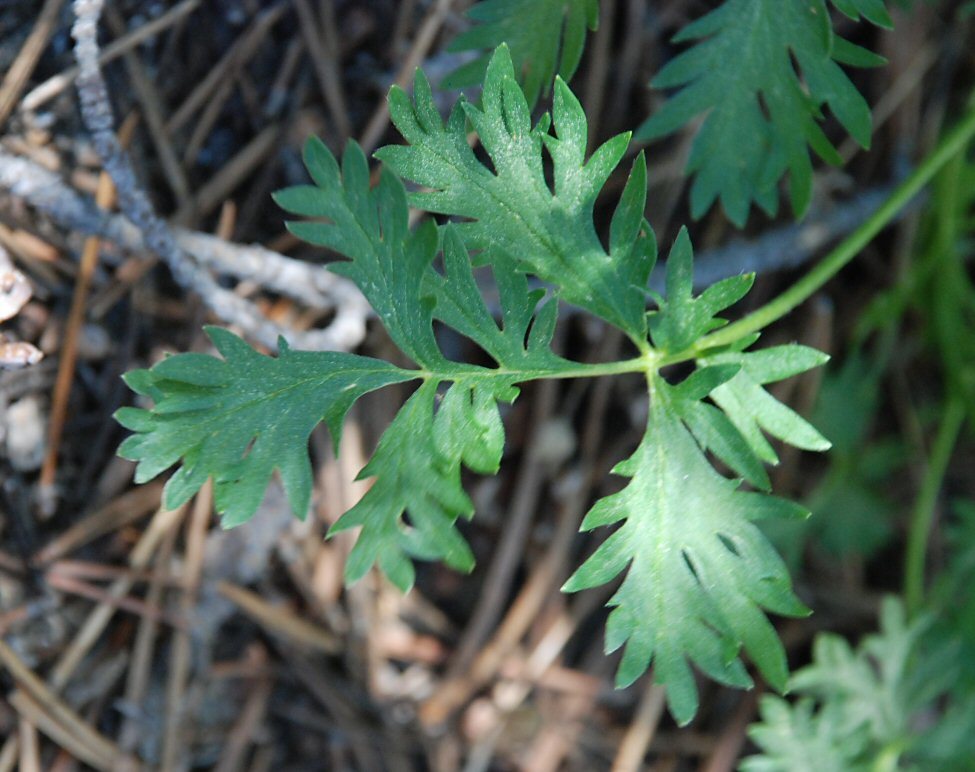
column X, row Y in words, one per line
column 15, row 291
column 14, row 354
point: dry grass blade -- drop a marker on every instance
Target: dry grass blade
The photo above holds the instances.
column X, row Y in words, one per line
column 639, row 735
column 153, row 108
column 104, row 199
column 251, row 715
column 223, row 71
column 179, row 661
column 55, row 711
column 17, row 77
column 122, row 511
column 325, row 61
column 100, row 616
column 281, row 622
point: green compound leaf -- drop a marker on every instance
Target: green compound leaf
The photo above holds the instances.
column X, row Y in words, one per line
column 417, row 469
column 699, row 576
column 239, row 418
column 699, row 572
column 514, row 216
column 546, row 37
column 762, row 70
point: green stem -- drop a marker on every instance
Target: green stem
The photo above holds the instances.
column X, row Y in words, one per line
column 640, row 364
column 850, row 247
column 923, row 514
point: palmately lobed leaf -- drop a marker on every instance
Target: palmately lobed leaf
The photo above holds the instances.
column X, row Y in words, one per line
column 240, row 418
column 698, row 572
column 761, row 71
column 798, row 738
column 511, row 213
column 893, row 698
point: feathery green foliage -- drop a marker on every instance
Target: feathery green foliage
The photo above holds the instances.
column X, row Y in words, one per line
column 761, row 71
column 885, row 705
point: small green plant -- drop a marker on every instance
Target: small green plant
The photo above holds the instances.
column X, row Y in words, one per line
column 870, row 709
column 699, row 576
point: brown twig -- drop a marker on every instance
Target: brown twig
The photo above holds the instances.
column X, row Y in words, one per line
column 309, row 283
column 122, row 511
column 15, row 81
column 642, row 728
column 224, row 69
column 215, row 192
column 325, row 62
column 280, row 621
column 104, row 199
column 135, row 606
column 153, row 108
column 54, row 709
column 100, row 616
column 724, row 756
column 179, row 660
column 30, row 752
column 137, row 679
column 594, row 94
column 255, row 707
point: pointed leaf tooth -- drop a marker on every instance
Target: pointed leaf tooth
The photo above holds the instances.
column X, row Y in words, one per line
column 628, row 218
column 321, row 164
column 680, row 271
column 543, row 327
